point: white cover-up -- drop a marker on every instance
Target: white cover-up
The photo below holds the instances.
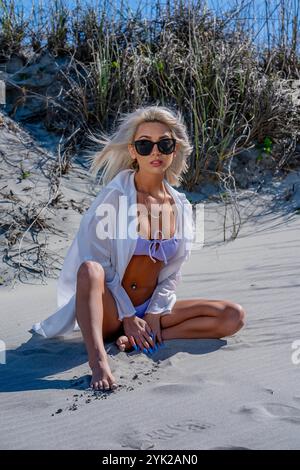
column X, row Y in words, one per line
column 115, row 252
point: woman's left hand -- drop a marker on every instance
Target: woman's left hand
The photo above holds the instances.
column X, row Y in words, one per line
column 153, row 320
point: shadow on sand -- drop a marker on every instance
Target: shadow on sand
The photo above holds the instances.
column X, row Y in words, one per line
column 37, row 364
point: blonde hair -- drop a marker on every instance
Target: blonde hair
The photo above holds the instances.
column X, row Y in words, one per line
column 115, row 156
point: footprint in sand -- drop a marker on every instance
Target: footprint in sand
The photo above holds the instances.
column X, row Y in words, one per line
column 134, row 440
column 230, row 448
column 137, row 443
column 172, row 430
column 169, row 389
column 272, row 411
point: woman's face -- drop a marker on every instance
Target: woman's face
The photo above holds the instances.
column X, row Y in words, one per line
column 153, row 131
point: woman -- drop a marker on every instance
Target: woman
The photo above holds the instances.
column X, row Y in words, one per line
column 121, row 283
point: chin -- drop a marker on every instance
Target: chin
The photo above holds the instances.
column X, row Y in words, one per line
column 157, row 168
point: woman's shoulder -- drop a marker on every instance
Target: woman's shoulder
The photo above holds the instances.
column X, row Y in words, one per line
column 181, row 195
column 106, row 196
column 122, row 180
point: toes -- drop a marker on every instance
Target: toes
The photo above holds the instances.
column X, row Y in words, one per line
column 123, row 343
column 106, row 385
column 101, row 385
column 94, row 385
column 112, row 382
column 121, row 340
column 120, row 344
column 98, row 385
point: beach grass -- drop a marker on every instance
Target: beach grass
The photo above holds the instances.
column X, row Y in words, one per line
column 234, row 92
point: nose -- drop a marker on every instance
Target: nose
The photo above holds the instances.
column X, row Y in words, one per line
column 155, row 149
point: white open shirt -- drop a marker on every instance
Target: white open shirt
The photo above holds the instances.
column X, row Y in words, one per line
column 114, row 254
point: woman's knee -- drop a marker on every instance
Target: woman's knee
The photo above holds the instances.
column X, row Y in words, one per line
column 233, row 317
column 90, row 273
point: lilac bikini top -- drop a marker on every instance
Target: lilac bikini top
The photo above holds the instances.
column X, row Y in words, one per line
column 166, row 248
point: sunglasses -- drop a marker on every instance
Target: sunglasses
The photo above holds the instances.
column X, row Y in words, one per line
column 144, row 147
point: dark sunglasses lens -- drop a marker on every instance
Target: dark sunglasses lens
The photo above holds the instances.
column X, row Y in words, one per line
column 166, row 146
column 143, row 147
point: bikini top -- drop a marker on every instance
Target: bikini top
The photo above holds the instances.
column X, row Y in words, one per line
column 166, row 248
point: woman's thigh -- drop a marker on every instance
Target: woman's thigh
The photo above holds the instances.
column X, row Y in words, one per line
column 191, row 308
column 93, row 293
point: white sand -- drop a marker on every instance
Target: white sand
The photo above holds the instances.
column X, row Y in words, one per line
column 239, row 392
column 242, row 391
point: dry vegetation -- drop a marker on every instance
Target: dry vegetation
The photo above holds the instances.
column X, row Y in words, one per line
column 77, row 70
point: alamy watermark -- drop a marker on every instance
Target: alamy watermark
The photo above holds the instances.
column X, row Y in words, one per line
column 296, row 354
column 2, row 352
column 121, row 223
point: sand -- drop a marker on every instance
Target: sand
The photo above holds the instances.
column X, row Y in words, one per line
column 237, row 392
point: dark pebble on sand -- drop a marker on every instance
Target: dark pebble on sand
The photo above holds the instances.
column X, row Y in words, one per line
column 73, row 407
column 135, row 377
column 58, row 411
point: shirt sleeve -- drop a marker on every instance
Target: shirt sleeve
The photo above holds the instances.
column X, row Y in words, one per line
column 93, row 248
column 164, row 297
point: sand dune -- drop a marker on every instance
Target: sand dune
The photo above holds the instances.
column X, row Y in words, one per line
column 240, row 392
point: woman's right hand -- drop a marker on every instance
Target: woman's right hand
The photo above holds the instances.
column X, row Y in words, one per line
column 138, row 329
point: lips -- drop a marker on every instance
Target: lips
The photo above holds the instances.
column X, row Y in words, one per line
column 156, row 162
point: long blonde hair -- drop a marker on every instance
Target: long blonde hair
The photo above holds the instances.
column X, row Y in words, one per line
column 115, row 157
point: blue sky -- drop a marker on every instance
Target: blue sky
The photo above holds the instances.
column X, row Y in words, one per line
column 256, row 12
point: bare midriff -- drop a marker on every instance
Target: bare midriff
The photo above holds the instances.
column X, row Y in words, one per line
column 142, row 271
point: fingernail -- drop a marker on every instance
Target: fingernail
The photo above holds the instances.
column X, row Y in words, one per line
column 145, row 350
column 150, row 350
column 135, row 347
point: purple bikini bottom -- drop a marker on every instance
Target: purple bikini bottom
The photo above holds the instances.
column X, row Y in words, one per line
column 141, row 309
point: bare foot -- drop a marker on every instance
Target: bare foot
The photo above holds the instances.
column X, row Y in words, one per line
column 123, row 343
column 102, row 378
